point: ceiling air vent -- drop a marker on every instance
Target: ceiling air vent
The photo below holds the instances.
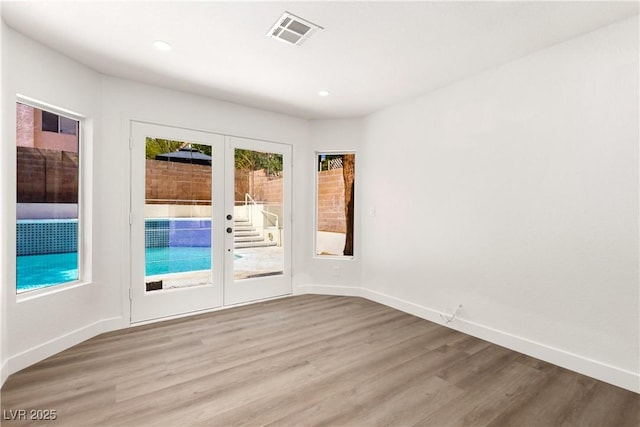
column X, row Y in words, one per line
column 292, row 29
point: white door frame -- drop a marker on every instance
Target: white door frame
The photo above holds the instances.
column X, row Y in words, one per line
column 258, row 288
column 225, row 291
column 147, row 306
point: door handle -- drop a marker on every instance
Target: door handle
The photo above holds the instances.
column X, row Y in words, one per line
column 229, row 230
column 229, row 217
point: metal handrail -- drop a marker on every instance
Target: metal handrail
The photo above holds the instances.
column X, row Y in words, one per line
column 247, row 198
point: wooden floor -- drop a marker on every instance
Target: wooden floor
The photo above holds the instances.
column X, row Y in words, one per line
column 308, row 360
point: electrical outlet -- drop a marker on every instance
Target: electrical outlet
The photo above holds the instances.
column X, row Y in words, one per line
column 336, row 271
column 450, row 318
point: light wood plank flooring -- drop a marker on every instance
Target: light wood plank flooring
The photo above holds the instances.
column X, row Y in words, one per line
column 303, row 361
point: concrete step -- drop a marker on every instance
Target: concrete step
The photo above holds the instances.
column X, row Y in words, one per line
column 247, row 236
column 262, row 244
column 257, row 238
column 246, row 233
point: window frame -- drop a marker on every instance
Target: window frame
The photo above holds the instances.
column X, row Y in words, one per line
column 316, row 161
column 61, row 128
column 49, row 121
column 85, row 136
column 59, row 118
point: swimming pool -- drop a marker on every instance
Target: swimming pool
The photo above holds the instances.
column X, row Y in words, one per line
column 47, row 256
column 39, row 271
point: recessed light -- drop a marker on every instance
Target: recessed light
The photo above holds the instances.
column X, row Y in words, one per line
column 162, row 45
column 323, row 93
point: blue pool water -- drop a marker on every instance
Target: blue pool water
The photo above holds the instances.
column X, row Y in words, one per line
column 38, row 271
column 170, row 259
column 47, row 254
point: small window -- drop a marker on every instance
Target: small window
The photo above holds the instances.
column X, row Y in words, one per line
column 68, row 126
column 59, row 124
column 335, row 204
column 47, row 209
column 49, row 122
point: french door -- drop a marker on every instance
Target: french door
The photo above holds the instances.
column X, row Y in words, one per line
column 210, row 219
column 258, row 250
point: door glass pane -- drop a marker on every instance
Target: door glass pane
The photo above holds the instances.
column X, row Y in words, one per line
column 177, row 214
column 47, row 232
column 335, row 204
column 258, row 225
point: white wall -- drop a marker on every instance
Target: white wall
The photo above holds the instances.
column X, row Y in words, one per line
column 322, row 273
column 515, row 194
column 123, row 100
column 38, row 327
column 3, row 277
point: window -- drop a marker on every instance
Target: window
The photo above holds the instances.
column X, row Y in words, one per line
column 68, row 126
column 49, row 122
column 59, row 124
column 47, row 189
column 335, row 203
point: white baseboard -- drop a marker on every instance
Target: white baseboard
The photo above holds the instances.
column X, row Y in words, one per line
column 595, row 369
column 40, row 352
column 574, row 362
column 346, row 291
column 4, row 372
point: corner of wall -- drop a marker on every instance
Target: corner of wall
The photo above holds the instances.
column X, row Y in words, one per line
column 317, row 289
column 330, row 135
column 40, row 352
column 574, row 362
column 3, row 373
column 3, row 290
column 484, row 234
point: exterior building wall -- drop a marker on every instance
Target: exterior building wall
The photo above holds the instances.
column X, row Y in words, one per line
column 331, row 214
column 29, row 132
column 52, row 140
column 25, row 125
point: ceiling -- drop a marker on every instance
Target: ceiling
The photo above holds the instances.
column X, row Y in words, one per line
column 369, row 54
